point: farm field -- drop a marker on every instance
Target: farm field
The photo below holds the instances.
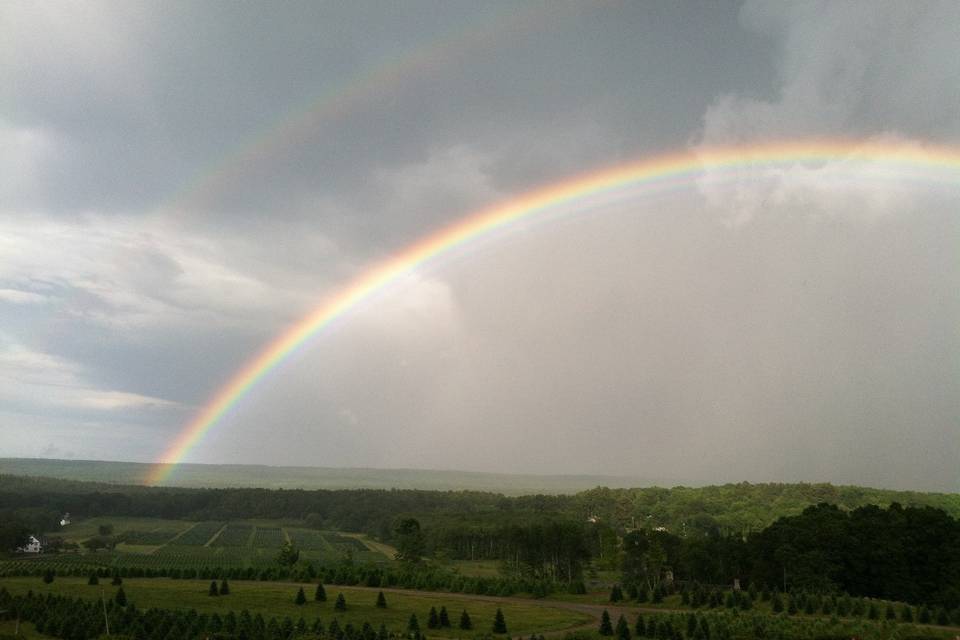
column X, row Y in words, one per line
column 146, row 543
column 277, row 599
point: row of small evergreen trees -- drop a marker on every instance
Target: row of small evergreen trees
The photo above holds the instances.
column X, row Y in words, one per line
column 732, row 625
column 424, row 578
column 78, row 619
column 697, row 596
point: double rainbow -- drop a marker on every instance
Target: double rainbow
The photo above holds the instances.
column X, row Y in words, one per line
column 937, row 162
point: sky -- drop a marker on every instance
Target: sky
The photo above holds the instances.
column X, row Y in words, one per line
column 181, row 181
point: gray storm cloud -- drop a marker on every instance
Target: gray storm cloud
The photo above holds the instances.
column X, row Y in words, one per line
column 798, row 327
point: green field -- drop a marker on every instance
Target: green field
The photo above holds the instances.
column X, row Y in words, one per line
column 147, row 543
column 277, row 599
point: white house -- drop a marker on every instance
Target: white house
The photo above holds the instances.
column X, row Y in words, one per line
column 33, row 546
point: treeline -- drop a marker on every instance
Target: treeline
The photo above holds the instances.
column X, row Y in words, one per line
column 732, row 508
column 908, row 554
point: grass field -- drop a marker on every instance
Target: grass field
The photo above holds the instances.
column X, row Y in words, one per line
column 277, row 599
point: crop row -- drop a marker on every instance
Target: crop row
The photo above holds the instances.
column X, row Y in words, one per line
column 198, row 534
column 146, row 537
column 345, row 542
column 234, row 535
column 308, row 540
column 268, row 537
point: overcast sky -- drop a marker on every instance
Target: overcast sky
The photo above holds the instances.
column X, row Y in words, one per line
column 179, row 182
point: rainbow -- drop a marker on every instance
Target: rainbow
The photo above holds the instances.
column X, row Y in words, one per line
column 371, row 83
column 647, row 174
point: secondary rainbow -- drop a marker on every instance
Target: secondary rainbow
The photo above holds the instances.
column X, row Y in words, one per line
column 942, row 162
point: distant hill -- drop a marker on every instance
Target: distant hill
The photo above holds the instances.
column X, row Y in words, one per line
column 270, row 477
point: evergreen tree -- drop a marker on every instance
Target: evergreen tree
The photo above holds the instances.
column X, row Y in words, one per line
column 691, row 625
column 299, row 600
column 643, row 594
column 213, row 591
column 224, row 587
column 382, row 633
column 321, row 593
column 433, row 621
column 891, row 614
column 381, row 601
column 93, row 579
column 792, row 605
column 412, row 625
column 923, row 615
column 872, row 612
column 120, row 598
column 776, row 603
column 606, row 627
column 444, row 618
column 640, row 628
column 858, row 607
column 500, row 624
column 623, row 629
column 616, row 595
column 341, row 603
column 465, row 623
column 658, row 594
column 48, row 576
column 117, row 580
column 943, row 619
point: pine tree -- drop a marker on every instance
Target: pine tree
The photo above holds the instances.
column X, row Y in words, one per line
column 412, row 625
column 48, row 576
column 776, row 603
column 606, row 628
column 906, row 614
column 923, row 615
column 93, row 579
column 499, row 624
column 892, row 615
column 301, row 597
column 121, row 597
column 224, row 588
column 117, row 580
column 623, row 629
column 643, row 594
column 382, row 633
column 444, row 618
column 639, row 628
column 381, row 601
column 658, row 594
column 213, row 591
column 465, row 623
column 321, row 593
column 616, row 595
column 872, row 612
column 341, row 603
column 433, row 621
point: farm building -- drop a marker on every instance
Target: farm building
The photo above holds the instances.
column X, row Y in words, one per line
column 33, row 546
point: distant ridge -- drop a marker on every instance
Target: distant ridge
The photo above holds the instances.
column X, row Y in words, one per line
column 277, row 477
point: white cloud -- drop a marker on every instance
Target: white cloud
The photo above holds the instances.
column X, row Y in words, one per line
column 17, row 296
column 43, row 380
